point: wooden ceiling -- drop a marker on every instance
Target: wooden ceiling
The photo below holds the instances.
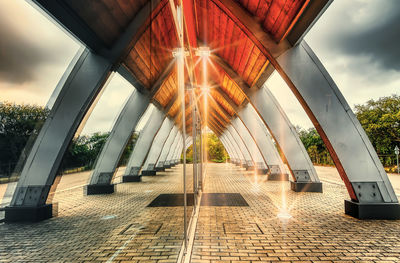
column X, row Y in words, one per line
column 150, row 51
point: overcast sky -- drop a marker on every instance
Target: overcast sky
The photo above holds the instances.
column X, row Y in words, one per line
column 356, row 40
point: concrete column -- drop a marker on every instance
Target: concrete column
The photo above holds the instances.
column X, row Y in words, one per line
column 170, row 161
column 232, row 155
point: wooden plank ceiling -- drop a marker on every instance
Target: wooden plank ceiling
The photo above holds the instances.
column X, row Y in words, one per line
column 150, row 52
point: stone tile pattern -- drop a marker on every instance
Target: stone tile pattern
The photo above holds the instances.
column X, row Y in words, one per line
column 318, row 232
column 80, row 233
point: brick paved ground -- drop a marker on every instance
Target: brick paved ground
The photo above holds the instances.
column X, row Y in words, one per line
column 94, row 228
column 318, row 232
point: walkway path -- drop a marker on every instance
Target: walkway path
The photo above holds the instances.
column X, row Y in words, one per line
column 120, row 228
column 317, row 232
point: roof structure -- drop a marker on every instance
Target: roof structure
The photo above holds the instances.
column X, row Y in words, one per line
column 229, row 28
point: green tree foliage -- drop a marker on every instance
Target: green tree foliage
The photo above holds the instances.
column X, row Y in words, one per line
column 20, row 124
column 381, row 121
column 315, row 147
column 17, row 124
column 215, row 150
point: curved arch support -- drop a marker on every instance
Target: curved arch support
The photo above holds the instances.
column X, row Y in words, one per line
column 260, row 134
column 371, row 193
column 169, row 161
column 106, row 164
column 250, row 162
column 142, row 146
column 236, row 148
column 232, row 154
column 79, row 88
column 252, row 147
column 275, row 119
column 156, row 147
column 160, row 166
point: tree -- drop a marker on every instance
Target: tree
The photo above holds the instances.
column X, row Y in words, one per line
column 381, row 121
column 17, row 124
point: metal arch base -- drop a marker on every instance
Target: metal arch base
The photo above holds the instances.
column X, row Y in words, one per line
column 382, row 211
column 28, row 213
column 311, row 187
column 99, row 189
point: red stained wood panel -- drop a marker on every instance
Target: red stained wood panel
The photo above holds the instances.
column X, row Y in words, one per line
column 153, row 48
column 276, row 16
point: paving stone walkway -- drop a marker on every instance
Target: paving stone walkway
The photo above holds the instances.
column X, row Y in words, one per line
column 318, row 231
column 104, row 228
column 120, row 228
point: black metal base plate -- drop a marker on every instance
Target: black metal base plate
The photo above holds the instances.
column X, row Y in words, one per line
column 168, row 200
column 278, row 177
column 208, row 199
column 160, row 169
column 223, row 199
column 99, row 189
column 389, row 211
column 313, row 187
column 149, row 172
column 15, row 214
column 131, row 178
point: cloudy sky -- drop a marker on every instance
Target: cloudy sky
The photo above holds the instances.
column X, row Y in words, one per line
column 356, row 40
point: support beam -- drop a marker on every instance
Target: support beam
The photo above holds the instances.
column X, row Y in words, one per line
column 161, row 165
column 358, row 164
column 114, row 147
column 241, row 161
column 259, row 163
column 284, row 133
column 169, row 160
column 142, row 146
column 261, row 135
column 82, row 83
column 149, row 166
column 235, row 137
column 232, row 154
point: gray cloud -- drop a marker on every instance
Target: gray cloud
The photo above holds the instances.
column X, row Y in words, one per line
column 359, row 28
column 379, row 39
column 28, row 42
column 18, row 58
